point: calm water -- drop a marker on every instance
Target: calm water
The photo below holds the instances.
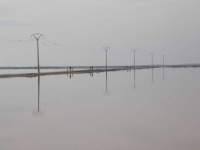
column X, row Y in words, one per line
column 78, row 113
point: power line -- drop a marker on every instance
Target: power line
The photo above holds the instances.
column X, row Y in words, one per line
column 144, row 54
column 69, row 50
column 55, row 45
column 18, row 40
column 6, row 37
column 68, row 47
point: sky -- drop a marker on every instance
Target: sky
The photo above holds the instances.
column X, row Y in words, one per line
column 75, row 31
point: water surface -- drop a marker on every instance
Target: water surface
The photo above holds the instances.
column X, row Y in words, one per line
column 80, row 114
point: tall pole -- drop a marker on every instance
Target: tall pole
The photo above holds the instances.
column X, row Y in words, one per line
column 106, row 49
column 106, row 60
column 106, row 73
column 37, row 37
column 134, row 59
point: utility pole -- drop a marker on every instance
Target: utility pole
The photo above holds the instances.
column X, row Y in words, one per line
column 37, row 37
column 163, row 66
column 152, row 64
column 134, row 50
column 106, row 49
column 152, row 58
column 163, row 60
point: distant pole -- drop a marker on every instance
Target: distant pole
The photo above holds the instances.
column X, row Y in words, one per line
column 37, row 37
column 134, row 50
column 106, row 49
column 152, row 64
column 152, row 58
column 163, row 60
column 163, row 66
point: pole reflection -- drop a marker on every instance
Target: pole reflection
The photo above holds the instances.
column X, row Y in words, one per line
column 38, row 93
column 163, row 72
column 106, row 82
column 134, row 78
column 107, row 92
column 38, row 112
column 152, row 76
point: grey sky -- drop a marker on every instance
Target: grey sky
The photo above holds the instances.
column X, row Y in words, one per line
column 169, row 27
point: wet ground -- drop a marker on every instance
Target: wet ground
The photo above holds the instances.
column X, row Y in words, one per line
column 86, row 112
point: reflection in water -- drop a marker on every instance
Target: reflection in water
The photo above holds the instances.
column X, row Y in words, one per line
column 89, row 120
column 152, row 76
column 134, row 78
column 38, row 112
column 107, row 92
column 70, row 76
column 163, row 72
column 106, row 81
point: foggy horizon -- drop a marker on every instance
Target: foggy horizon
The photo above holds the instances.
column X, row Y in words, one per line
column 169, row 28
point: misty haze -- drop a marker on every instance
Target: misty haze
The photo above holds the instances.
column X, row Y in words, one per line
column 97, row 74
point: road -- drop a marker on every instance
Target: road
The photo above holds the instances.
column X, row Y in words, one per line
column 84, row 70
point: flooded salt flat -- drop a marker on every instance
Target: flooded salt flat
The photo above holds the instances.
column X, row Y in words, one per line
column 83, row 113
